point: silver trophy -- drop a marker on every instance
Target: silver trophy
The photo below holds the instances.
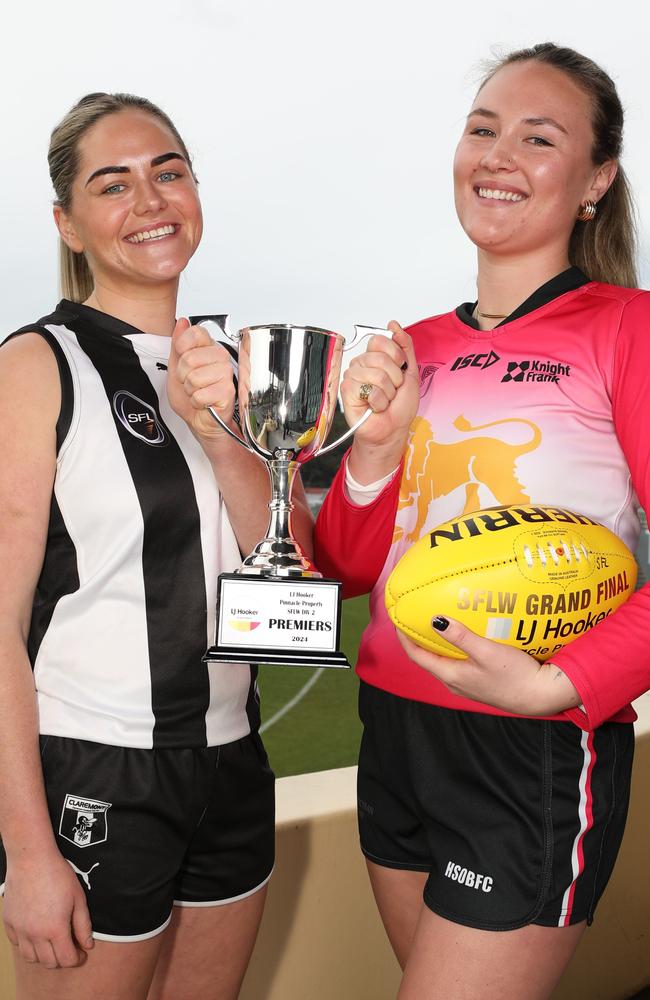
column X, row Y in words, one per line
column 277, row 608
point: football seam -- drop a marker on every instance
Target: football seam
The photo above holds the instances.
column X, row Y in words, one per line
column 476, row 568
column 450, row 575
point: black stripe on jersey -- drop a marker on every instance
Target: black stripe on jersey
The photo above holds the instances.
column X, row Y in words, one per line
column 67, row 388
column 171, row 554
column 59, row 577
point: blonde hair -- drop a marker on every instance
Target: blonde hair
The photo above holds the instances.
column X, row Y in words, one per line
column 605, row 248
column 63, row 159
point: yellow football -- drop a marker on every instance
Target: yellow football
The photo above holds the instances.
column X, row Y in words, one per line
column 530, row 577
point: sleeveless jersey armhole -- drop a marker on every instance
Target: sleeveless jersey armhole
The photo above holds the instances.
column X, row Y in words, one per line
column 64, row 419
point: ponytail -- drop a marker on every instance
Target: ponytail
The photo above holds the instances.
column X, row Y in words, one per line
column 74, row 274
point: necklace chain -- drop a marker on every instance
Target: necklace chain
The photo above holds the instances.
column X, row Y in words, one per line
column 489, row 315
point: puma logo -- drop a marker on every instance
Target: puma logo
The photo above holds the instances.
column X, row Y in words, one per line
column 433, row 470
column 84, row 875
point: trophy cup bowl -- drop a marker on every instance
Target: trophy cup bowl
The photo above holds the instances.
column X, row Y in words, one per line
column 288, row 384
column 287, row 395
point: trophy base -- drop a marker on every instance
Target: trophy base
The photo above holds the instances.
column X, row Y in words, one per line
column 276, row 657
column 276, row 620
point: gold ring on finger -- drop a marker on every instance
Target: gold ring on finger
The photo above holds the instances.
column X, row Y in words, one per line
column 364, row 391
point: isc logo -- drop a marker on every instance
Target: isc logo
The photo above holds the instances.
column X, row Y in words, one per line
column 139, row 418
column 475, row 361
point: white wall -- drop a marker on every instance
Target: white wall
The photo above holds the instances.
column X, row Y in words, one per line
column 322, row 133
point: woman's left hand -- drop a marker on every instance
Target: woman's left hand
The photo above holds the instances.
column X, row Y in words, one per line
column 496, row 674
column 199, row 375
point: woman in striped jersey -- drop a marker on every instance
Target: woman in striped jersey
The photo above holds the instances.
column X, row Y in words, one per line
column 474, row 817
column 138, row 837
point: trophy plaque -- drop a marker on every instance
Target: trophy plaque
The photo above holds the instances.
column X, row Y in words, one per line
column 277, row 608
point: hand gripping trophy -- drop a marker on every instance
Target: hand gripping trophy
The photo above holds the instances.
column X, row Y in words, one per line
column 277, row 608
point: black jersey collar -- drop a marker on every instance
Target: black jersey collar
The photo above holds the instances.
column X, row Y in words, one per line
column 69, row 311
column 567, row 281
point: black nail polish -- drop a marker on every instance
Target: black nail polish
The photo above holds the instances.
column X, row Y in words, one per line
column 440, row 623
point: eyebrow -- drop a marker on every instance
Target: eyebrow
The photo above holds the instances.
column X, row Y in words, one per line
column 542, row 120
column 156, row 162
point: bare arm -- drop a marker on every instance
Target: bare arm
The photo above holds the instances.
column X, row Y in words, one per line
column 200, row 375
column 42, row 895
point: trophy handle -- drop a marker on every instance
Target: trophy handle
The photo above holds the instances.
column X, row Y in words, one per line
column 344, row 437
column 220, row 320
column 250, row 443
column 361, row 332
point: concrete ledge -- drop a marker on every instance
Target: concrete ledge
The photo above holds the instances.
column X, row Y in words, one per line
column 321, row 935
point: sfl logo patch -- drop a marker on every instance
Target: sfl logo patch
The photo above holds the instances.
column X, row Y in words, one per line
column 84, row 821
column 139, row 418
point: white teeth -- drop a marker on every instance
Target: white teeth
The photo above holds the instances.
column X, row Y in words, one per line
column 152, row 234
column 498, row 195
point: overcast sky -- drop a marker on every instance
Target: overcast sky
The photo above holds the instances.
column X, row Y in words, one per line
column 322, row 134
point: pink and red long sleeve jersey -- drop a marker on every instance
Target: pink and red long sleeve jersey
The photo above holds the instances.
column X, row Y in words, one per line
column 552, row 408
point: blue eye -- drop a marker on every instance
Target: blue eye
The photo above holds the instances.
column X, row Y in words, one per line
column 168, row 175
column 539, row 140
column 482, row 131
column 113, row 189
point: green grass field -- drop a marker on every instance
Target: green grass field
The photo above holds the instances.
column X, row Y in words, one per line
column 323, row 729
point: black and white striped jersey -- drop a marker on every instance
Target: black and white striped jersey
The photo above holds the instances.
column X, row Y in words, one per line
column 125, row 604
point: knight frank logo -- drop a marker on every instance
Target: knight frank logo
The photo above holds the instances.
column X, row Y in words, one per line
column 536, row 371
column 84, row 821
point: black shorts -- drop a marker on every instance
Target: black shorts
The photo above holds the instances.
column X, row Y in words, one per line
column 147, row 829
column 517, row 821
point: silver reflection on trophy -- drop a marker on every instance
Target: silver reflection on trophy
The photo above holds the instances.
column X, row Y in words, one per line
column 288, row 385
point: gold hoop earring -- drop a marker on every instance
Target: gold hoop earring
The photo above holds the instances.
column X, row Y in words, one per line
column 587, row 211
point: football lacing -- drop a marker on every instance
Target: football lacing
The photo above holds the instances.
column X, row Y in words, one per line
column 565, row 549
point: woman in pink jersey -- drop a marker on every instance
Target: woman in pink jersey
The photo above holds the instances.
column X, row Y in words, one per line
column 492, row 791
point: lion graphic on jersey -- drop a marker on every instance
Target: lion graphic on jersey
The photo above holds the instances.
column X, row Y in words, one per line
column 433, row 469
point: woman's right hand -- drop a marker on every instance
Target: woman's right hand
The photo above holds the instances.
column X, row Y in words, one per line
column 389, row 367
column 45, row 911
column 200, row 375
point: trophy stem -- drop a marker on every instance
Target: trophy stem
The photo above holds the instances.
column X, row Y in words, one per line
column 279, row 554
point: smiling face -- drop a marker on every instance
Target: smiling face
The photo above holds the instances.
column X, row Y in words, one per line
column 523, row 164
column 135, row 210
